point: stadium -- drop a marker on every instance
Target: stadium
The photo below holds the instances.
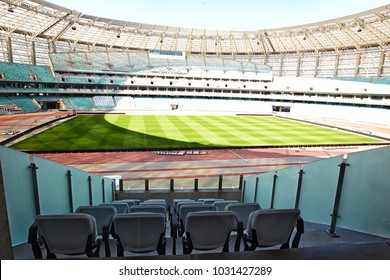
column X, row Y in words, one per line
column 98, row 111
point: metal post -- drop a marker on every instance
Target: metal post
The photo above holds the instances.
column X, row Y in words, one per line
column 332, row 229
column 298, row 195
column 240, row 182
column 172, row 184
column 69, row 174
column 256, row 187
column 146, row 185
column 273, row 190
column 243, row 191
column 103, row 191
column 220, row 181
column 34, row 168
column 121, row 185
column 90, row 190
column 113, row 188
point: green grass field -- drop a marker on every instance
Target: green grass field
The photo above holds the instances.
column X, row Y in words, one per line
column 94, row 132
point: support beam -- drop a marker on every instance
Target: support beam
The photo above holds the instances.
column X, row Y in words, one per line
column 381, row 64
column 6, row 252
column 10, row 56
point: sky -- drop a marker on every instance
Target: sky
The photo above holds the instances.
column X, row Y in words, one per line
column 247, row 15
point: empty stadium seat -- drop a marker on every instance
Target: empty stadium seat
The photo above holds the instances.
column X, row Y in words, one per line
column 103, row 215
column 210, row 230
column 121, row 207
column 220, row 205
column 269, row 227
column 65, row 234
column 243, row 209
column 139, row 233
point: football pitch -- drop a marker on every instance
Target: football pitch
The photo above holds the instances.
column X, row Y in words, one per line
column 153, row 132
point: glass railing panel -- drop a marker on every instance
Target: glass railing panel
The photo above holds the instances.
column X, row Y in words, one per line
column 134, row 185
column 248, row 190
column 184, row 184
column 53, row 187
column 19, row 193
column 286, row 187
column 158, row 184
column 97, row 189
column 80, row 188
column 318, row 189
column 365, row 197
column 208, row 182
column 264, row 190
column 108, row 189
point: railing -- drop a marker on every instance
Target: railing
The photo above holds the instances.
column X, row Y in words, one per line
column 350, row 192
column 39, row 186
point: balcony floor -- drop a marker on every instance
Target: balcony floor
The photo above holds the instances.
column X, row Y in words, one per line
column 315, row 244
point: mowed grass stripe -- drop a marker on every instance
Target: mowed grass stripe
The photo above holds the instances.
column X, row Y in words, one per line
column 210, row 133
column 186, row 126
column 229, row 134
column 155, row 132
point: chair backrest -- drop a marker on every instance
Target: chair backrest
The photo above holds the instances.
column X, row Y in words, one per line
column 181, row 204
column 243, row 209
column 103, row 215
column 210, row 229
column 139, row 232
column 151, row 208
column 211, row 200
column 189, row 208
column 177, row 200
column 67, row 234
column 121, row 207
column 220, row 205
column 132, row 201
column 272, row 226
column 155, row 201
column 129, row 202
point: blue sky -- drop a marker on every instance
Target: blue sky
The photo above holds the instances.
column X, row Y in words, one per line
column 222, row 14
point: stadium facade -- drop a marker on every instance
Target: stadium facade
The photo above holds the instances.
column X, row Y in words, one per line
column 48, row 50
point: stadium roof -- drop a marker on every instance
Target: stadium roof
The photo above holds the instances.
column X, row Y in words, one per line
column 41, row 19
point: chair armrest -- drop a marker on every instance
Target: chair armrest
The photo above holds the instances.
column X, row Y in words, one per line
column 300, row 230
column 33, row 240
column 106, row 238
column 174, row 229
column 240, row 232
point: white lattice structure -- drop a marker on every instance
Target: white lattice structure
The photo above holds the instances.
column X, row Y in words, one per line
column 352, row 46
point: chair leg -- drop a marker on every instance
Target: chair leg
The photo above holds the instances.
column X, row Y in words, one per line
column 119, row 249
column 161, row 247
column 187, row 244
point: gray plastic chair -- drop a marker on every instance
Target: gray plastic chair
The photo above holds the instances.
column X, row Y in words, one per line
column 139, row 232
column 182, row 203
column 121, row 207
column 150, row 208
column 65, row 234
column 209, row 230
column 188, row 208
column 243, row 209
column 211, row 200
column 177, row 200
column 103, row 215
column 220, row 205
column 270, row 227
